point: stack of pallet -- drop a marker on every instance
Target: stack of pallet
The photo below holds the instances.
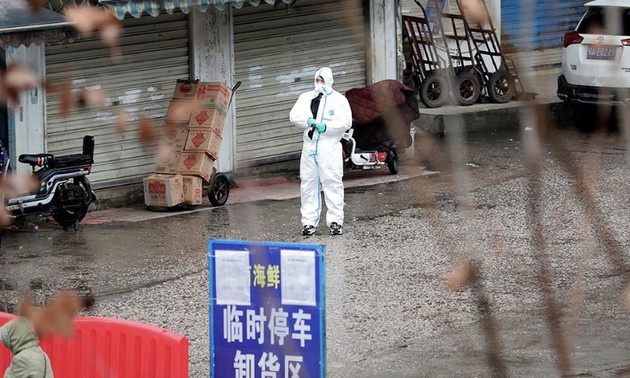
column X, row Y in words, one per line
column 193, row 127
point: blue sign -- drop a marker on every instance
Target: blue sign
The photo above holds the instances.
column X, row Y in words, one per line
column 267, row 315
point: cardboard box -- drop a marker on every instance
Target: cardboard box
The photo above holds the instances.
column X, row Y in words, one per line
column 208, row 118
column 185, row 89
column 203, row 140
column 178, row 112
column 163, row 190
column 213, row 94
column 168, row 165
column 193, row 188
column 197, row 164
column 175, row 139
column 176, row 135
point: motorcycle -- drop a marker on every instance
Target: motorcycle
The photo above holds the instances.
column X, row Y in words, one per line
column 65, row 192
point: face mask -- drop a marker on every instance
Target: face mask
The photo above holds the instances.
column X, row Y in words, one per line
column 319, row 87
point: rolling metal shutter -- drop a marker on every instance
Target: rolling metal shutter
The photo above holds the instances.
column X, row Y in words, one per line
column 154, row 54
column 276, row 55
column 410, row 8
column 532, row 31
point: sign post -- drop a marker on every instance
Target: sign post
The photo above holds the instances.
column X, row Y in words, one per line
column 267, row 316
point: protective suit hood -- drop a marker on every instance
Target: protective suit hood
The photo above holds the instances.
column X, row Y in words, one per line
column 326, row 74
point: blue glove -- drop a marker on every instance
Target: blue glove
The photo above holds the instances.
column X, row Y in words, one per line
column 321, row 127
column 311, row 122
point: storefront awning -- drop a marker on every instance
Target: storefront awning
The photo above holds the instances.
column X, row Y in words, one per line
column 153, row 7
column 19, row 25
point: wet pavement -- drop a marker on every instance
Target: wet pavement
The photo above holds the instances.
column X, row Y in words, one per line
column 387, row 308
column 253, row 189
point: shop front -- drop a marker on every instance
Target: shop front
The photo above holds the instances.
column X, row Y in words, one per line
column 272, row 47
column 276, row 54
column 137, row 86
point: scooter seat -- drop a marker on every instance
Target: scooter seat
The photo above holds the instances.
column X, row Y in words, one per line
column 72, row 160
column 51, row 161
column 36, row 159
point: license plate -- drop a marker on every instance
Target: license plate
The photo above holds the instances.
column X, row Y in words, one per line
column 601, row 52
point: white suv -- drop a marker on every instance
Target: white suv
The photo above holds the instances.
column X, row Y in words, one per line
column 596, row 56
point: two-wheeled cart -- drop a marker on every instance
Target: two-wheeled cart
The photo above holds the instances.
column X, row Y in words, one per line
column 215, row 185
column 431, row 68
column 440, row 43
column 218, row 187
column 457, row 44
column 498, row 74
column 472, row 50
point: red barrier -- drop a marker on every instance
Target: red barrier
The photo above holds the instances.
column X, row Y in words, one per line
column 5, row 354
column 113, row 348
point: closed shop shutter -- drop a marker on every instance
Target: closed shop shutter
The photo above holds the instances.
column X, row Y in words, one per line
column 532, row 31
column 276, row 55
column 410, row 8
column 154, row 54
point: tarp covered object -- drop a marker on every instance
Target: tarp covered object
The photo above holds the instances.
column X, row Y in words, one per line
column 382, row 114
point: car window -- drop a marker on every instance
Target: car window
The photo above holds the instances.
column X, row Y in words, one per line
column 600, row 20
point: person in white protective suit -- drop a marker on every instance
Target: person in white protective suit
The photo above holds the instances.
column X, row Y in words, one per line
column 325, row 115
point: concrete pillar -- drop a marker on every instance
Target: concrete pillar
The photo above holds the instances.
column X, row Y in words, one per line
column 383, row 44
column 400, row 55
column 212, row 59
column 26, row 118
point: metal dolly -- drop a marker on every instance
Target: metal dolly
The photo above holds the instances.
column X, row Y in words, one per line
column 431, row 69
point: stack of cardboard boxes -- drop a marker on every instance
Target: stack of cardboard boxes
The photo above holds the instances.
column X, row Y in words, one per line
column 193, row 127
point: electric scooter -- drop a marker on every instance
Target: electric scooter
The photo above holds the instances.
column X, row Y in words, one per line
column 381, row 124
column 65, row 192
column 367, row 159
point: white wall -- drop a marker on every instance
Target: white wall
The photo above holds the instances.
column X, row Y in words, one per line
column 494, row 8
column 26, row 119
column 382, row 59
column 212, row 59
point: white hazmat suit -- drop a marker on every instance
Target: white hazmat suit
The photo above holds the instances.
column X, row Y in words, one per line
column 322, row 161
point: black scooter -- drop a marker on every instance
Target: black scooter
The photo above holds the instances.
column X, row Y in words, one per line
column 65, row 192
